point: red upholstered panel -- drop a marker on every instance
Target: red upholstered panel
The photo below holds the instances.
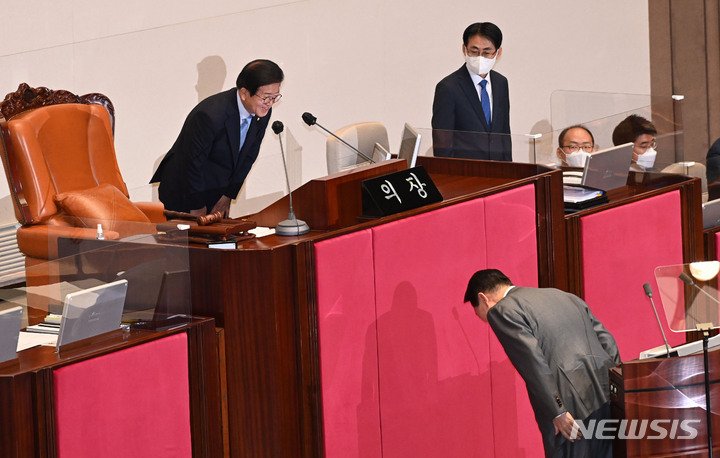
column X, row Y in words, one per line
column 435, row 391
column 621, row 247
column 348, row 345
column 511, row 228
column 131, row 403
column 512, row 247
column 717, row 245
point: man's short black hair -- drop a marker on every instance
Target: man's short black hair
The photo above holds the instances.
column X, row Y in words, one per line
column 260, row 72
column 561, row 137
column 485, row 281
column 484, row 29
column 631, row 128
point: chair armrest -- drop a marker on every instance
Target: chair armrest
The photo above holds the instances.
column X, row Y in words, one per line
column 40, row 241
column 153, row 210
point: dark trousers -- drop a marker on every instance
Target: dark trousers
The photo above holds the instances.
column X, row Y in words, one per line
column 585, row 448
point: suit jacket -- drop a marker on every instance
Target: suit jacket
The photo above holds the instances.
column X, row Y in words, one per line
column 457, row 107
column 206, row 161
column 561, row 351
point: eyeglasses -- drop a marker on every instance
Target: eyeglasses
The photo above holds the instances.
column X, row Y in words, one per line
column 645, row 145
column 572, row 149
column 269, row 99
column 474, row 52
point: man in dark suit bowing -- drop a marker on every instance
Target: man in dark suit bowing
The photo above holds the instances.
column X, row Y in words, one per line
column 219, row 142
column 561, row 351
column 471, row 108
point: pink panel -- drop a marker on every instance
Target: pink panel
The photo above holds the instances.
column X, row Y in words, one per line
column 348, row 345
column 511, row 222
column 433, row 357
column 621, row 247
column 134, row 402
column 511, row 227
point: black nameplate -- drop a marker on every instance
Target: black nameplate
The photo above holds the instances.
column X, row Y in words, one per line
column 397, row 192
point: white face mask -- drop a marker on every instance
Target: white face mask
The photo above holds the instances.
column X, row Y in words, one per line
column 647, row 160
column 479, row 65
column 577, row 159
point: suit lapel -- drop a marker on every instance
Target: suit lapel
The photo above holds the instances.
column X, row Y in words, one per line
column 232, row 127
column 471, row 93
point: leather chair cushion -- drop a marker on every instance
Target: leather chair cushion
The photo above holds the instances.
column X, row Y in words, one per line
column 104, row 204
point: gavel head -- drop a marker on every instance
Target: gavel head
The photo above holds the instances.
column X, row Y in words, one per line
column 209, row 218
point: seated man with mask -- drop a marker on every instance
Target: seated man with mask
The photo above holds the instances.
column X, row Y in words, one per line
column 641, row 132
column 575, row 144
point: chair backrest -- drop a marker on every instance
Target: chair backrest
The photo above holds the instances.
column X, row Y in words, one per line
column 362, row 136
column 55, row 142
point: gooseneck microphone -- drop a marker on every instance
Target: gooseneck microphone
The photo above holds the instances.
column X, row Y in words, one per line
column 292, row 225
column 649, row 293
column 689, row 281
column 311, row 120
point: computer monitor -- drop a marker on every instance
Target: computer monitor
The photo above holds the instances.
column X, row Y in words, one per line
column 10, row 323
column 711, row 214
column 380, row 153
column 91, row 312
column 409, row 145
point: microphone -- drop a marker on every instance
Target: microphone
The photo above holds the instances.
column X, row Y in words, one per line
column 689, row 281
column 292, row 225
column 649, row 293
column 311, row 120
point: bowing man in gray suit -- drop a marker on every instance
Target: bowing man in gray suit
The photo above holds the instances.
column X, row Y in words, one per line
column 561, row 351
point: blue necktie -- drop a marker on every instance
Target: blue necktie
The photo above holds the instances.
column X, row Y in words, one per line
column 485, row 102
column 244, row 124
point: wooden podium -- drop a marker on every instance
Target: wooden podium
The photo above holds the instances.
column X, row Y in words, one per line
column 670, row 391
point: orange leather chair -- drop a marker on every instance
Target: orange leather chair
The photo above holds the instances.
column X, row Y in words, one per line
column 59, row 157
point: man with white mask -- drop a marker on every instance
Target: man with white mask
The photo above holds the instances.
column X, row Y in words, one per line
column 471, row 108
column 575, row 144
column 641, row 132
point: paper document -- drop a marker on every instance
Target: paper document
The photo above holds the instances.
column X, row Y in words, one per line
column 575, row 194
column 32, row 339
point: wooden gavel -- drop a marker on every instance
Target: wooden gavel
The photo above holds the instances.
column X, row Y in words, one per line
column 200, row 220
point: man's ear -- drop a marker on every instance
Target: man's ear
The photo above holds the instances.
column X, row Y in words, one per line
column 560, row 154
column 483, row 299
column 499, row 52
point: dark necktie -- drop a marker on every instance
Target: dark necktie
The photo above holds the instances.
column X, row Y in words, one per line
column 485, row 102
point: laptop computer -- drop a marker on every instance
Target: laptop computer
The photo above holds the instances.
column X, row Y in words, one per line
column 92, row 312
column 10, row 324
column 608, row 169
column 711, row 214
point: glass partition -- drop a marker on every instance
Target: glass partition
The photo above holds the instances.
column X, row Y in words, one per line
column 153, row 265
column 689, row 295
column 477, row 145
column 601, row 113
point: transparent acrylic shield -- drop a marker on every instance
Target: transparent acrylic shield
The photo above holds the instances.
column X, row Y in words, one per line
column 689, row 295
column 601, row 113
column 477, row 145
column 155, row 266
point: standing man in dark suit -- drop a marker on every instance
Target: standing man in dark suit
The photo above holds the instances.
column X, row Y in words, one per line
column 474, row 98
column 561, row 351
column 219, row 142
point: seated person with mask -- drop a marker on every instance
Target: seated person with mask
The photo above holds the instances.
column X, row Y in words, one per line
column 641, row 132
column 575, row 144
